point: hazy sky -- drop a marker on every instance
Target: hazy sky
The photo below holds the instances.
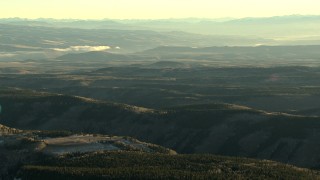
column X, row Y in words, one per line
column 154, row 9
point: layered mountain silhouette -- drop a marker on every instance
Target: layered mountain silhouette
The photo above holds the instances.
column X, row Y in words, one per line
column 224, row 129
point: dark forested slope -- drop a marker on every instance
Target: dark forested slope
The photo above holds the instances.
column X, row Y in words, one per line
column 211, row 128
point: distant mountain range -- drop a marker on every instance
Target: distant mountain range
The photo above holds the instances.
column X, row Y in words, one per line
column 51, row 38
column 48, row 40
column 291, row 26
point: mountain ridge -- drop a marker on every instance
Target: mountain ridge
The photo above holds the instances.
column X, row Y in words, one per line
column 59, row 154
column 223, row 129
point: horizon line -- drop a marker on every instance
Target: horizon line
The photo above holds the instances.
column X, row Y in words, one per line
column 142, row 19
